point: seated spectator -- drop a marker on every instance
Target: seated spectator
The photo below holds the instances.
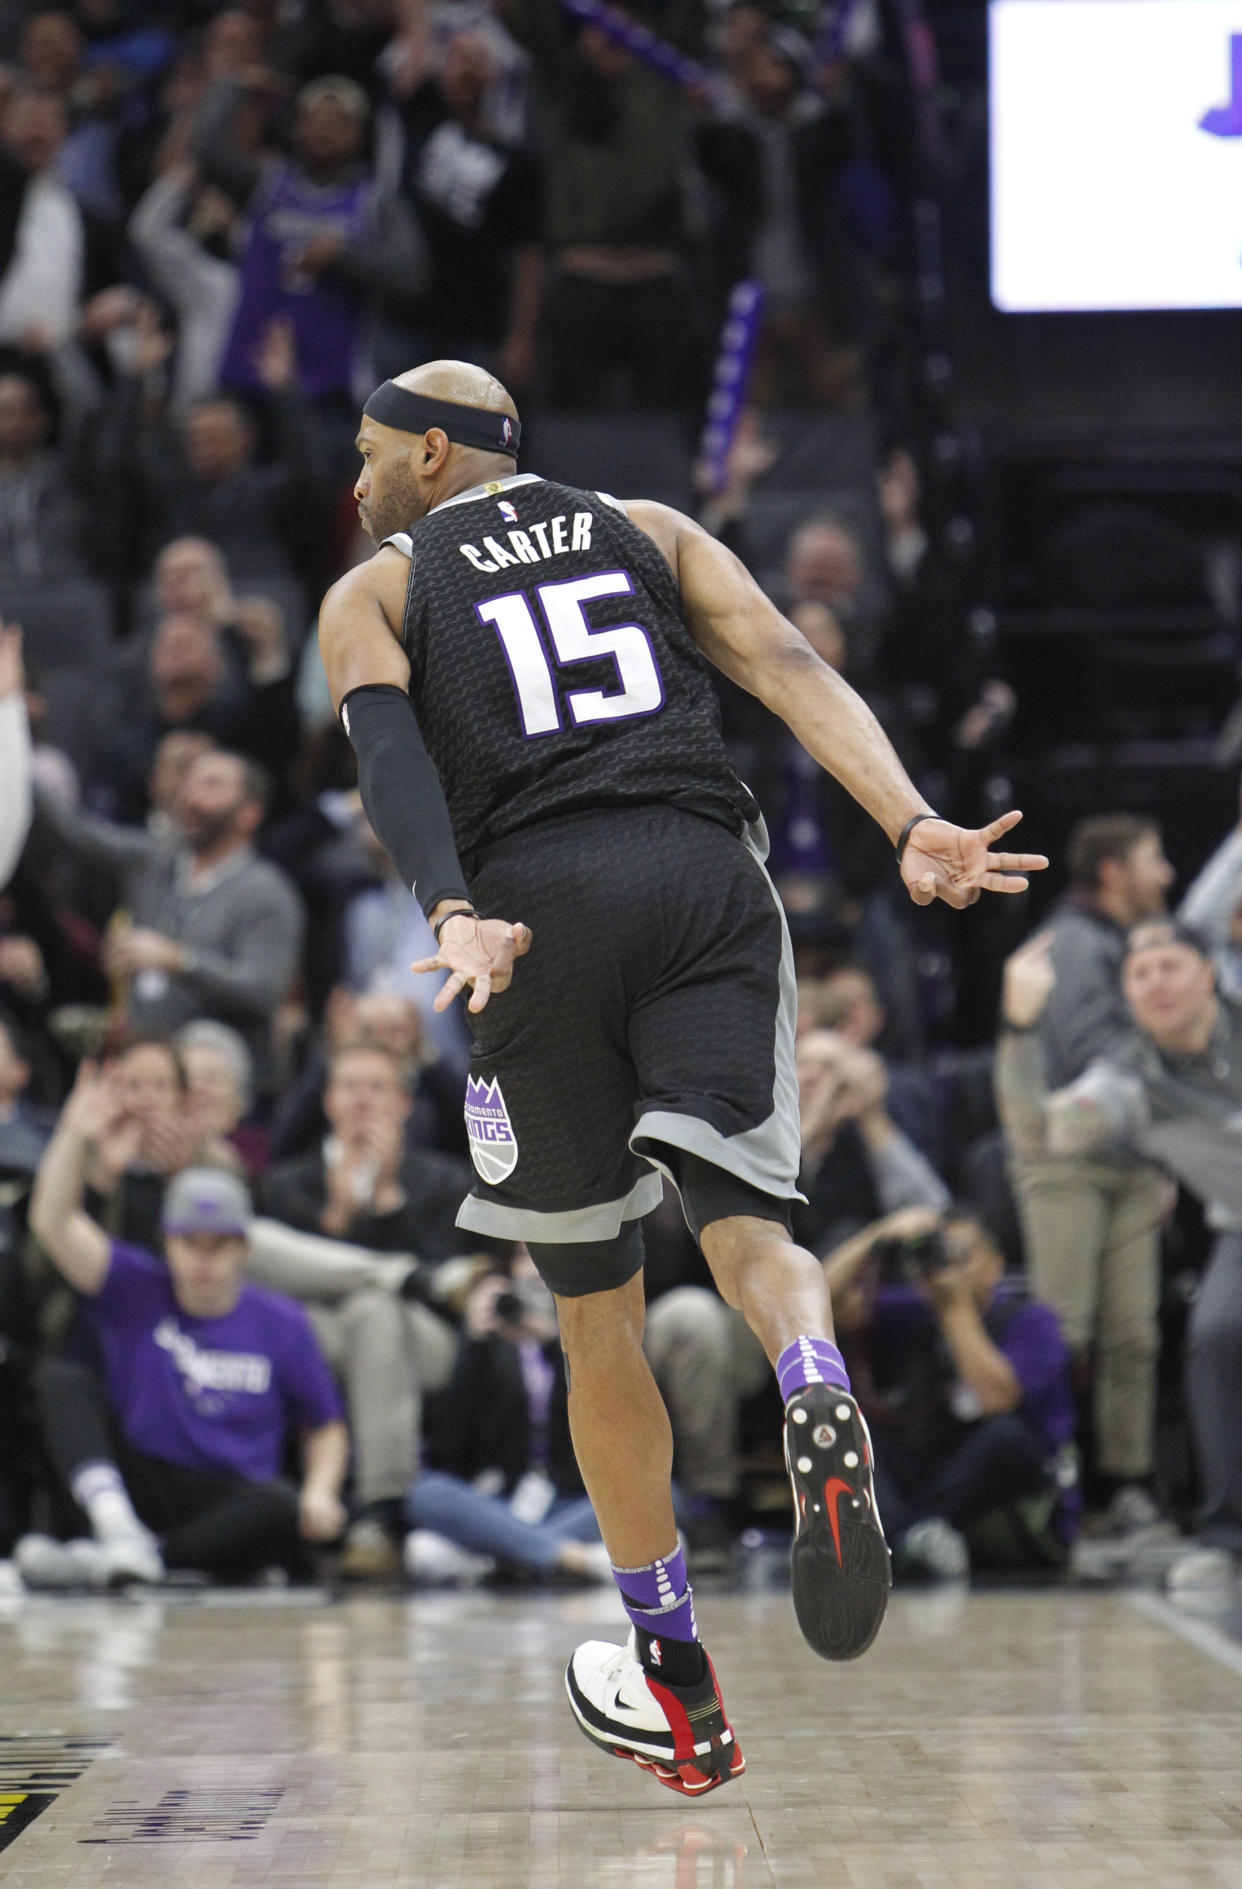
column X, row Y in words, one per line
column 213, row 930
column 391, row 1021
column 364, row 1184
column 477, row 200
column 175, row 1456
column 15, row 801
column 219, row 1085
column 327, row 243
column 500, row 1484
column 190, row 577
column 848, row 1001
column 191, row 683
column 155, row 1132
column 965, row 1384
column 173, row 759
column 856, row 1163
column 1170, row 1091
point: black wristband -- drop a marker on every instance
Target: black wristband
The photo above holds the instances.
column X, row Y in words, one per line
column 458, row 911
column 904, row 836
column 1018, row 1029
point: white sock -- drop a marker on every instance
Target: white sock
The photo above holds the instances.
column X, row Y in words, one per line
column 97, row 1488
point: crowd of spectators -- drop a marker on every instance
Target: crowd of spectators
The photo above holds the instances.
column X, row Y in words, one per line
column 237, row 1319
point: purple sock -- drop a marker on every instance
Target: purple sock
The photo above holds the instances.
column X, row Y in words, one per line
column 659, row 1598
column 810, row 1361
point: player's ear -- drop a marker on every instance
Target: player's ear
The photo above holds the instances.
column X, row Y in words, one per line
column 435, row 449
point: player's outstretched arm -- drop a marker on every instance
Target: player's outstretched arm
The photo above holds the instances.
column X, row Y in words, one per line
column 368, row 674
column 744, row 635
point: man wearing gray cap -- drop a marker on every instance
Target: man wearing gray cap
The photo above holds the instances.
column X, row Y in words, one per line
column 175, row 1455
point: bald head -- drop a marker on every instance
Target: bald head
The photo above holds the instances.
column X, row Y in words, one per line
column 405, row 472
column 461, row 381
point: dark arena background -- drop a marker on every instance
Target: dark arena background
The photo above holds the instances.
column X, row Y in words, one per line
column 931, row 311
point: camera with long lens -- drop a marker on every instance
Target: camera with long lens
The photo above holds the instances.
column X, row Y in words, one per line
column 911, row 1262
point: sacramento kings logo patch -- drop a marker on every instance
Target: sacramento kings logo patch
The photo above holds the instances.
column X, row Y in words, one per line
column 493, row 1144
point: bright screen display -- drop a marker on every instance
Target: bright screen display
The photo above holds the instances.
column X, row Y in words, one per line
column 1116, row 141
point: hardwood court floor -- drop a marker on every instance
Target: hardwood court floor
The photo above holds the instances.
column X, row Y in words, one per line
column 1051, row 1740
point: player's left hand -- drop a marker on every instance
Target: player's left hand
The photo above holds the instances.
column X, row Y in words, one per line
column 956, row 863
column 479, row 952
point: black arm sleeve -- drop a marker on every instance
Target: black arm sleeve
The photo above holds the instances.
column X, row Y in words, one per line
column 401, row 792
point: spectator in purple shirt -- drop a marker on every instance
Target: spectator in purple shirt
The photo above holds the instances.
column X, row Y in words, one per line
column 965, row 1383
column 175, row 1456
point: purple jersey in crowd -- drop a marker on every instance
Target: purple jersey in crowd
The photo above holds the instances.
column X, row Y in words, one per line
column 324, row 311
column 208, row 1393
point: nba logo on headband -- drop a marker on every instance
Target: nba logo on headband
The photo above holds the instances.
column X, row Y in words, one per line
column 506, row 431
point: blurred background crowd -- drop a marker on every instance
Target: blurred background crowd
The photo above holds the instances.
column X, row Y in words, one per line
column 220, row 227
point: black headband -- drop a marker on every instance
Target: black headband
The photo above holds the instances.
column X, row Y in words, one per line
column 468, row 426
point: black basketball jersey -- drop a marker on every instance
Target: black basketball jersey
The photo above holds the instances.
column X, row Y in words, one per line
column 550, row 668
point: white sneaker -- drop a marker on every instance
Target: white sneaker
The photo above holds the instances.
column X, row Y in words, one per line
column 435, row 1561
column 934, row 1547
column 45, row 1564
column 48, row 1565
column 678, row 1733
column 1202, row 1570
column 132, row 1557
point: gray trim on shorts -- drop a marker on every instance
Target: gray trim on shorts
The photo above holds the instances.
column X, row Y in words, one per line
column 602, row 1222
column 767, row 1157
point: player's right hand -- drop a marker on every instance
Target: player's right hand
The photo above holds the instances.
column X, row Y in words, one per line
column 480, row 952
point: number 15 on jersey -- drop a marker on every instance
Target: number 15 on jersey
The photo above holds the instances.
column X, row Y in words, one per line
column 640, row 690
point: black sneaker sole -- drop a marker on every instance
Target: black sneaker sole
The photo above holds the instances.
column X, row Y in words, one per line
column 841, row 1569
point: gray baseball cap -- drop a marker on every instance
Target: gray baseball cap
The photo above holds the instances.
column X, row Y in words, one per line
column 206, row 1200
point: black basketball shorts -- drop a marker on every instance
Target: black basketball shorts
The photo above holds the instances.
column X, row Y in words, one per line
column 653, row 1012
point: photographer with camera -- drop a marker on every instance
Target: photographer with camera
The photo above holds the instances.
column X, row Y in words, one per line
column 501, row 1484
column 965, row 1383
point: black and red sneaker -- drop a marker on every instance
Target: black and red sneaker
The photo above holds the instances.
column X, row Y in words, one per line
column 678, row 1733
column 841, row 1568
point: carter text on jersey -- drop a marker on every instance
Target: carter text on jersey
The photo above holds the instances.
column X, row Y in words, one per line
column 550, row 540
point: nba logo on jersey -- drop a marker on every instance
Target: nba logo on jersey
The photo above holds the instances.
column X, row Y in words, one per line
column 508, row 511
column 493, row 1144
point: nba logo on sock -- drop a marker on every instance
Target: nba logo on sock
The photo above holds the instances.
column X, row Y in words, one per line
column 493, row 1144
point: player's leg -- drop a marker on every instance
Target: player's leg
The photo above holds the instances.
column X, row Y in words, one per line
column 712, row 1041
column 620, row 1428
column 654, row 1700
column 840, row 1568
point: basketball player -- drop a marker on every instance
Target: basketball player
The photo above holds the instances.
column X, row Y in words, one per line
column 523, row 671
